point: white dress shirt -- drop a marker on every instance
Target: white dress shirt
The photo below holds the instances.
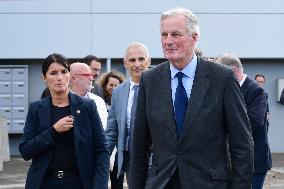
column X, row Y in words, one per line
column 243, row 80
column 129, row 104
column 101, row 107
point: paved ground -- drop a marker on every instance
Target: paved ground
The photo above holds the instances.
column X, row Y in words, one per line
column 15, row 171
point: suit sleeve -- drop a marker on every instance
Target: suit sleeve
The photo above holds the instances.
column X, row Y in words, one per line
column 139, row 163
column 256, row 108
column 33, row 142
column 101, row 153
column 240, row 138
column 112, row 127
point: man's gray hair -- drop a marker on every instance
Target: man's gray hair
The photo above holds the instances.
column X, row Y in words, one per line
column 137, row 44
column 229, row 60
column 191, row 20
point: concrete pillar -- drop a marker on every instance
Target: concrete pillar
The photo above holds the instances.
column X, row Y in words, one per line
column 4, row 144
column 1, row 159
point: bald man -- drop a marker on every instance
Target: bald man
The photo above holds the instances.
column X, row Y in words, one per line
column 81, row 84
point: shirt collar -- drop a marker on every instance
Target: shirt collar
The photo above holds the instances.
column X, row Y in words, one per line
column 132, row 84
column 189, row 69
column 243, row 80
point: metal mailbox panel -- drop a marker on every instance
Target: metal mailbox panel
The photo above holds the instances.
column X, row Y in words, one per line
column 19, row 112
column 18, row 125
column 18, row 74
column 9, row 127
column 18, row 87
column 5, row 100
column 18, row 100
column 6, row 112
column 5, row 74
column 5, row 87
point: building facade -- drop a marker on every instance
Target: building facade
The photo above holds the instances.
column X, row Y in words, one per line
column 31, row 30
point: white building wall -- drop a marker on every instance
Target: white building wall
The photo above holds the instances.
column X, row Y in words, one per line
column 33, row 29
column 249, row 29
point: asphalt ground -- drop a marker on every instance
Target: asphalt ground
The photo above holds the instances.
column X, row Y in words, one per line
column 14, row 174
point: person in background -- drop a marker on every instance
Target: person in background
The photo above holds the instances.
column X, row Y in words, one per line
column 122, row 111
column 260, row 79
column 63, row 136
column 282, row 97
column 108, row 81
column 81, row 84
column 95, row 65
column 256, row 104
column 191, row 116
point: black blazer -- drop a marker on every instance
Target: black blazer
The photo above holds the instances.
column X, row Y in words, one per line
column 256, row 104
column 90, row 143
column 215, row 149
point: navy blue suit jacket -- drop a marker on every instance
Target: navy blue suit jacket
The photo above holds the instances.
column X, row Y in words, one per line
column 92, row 156
column 256, row 104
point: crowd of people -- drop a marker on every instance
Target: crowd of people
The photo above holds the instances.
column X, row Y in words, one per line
column 190, row 122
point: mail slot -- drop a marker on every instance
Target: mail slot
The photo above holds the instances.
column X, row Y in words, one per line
column 18, row 125
column 19, row 112
column 18, row 87
column 6, row 112
column 5, row 100
column 18, row 74
column 18, row 100
column 5, row 87
column 5, row 74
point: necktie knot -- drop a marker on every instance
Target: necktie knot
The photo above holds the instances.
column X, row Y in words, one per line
column 135, row 87
column 179, row 75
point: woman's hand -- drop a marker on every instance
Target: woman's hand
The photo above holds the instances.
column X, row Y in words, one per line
column 64, row 124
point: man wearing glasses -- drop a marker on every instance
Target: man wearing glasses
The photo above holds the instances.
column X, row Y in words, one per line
column 95, row 66
column 81, row 84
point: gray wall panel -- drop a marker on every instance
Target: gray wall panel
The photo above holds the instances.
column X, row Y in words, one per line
column 272, row 72
column 36, row 84
column 45, row 6
column 112, row 33
column 36, row 36
column 197, row 6
column 243, row 35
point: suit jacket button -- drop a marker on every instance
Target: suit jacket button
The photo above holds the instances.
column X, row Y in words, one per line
column 179, row 153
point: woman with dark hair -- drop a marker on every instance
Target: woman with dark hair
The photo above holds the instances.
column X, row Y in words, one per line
column 64, row 137
column 108, row 82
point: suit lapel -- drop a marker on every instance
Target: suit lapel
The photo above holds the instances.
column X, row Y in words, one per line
column 199, row 90
column 76, row 111
column 123, row 96
column 166, row 98
column 44, row 113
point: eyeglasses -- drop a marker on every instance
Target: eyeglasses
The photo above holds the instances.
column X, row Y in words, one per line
column 86, row 75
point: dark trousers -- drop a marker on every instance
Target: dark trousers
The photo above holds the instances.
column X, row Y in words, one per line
column 73, row 182
column 258, row 180
column 116, row 183
column 174, row 182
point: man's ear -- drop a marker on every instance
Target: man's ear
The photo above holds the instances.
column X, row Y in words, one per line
column 124, row 62
column 195, row 37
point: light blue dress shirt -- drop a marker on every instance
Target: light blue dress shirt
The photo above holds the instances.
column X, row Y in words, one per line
column 187, row 80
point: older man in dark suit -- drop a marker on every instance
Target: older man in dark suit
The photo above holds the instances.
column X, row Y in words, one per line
column 256, row 104
column 191, row 115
